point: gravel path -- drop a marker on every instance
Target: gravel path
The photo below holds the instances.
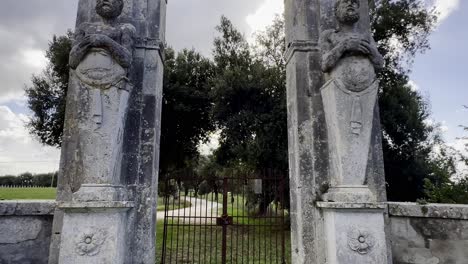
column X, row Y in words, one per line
column 196, row 213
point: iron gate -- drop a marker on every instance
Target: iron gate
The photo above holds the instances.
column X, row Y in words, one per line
column 232, row 220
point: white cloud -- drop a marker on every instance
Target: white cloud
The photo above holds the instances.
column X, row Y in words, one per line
column 265, row 14
column 445, row 8
column 34, row 58
column 19, row 152
column 414, row 86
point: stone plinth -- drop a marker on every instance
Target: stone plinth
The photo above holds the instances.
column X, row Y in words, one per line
column 354, row 233
column 95, row 232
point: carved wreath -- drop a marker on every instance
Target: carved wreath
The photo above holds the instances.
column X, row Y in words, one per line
column 360, row 240
column 90, row 243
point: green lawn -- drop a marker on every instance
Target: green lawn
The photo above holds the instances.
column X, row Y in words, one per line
column 27, row 193
column 202, row 244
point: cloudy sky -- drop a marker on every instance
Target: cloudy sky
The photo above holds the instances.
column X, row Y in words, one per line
column 26, row 26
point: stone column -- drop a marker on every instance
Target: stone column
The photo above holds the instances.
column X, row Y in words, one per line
column 107, row 189
column 335, row 155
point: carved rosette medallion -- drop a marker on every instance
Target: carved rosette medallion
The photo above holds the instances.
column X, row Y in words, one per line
column 90, row 243
column 360, row 240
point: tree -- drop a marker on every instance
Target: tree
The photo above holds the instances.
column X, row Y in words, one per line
column 401, row 29
column 185, row 112
column 9, row 180
column 450, row 189
column 250, row 99
column 25, row 179
column 47, row 95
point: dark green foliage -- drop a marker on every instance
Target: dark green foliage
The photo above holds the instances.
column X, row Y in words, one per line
column 186, row 108
column 445, row 189
column 47, row 95
column 250, row 99
column 449, row 192
column 28, row 179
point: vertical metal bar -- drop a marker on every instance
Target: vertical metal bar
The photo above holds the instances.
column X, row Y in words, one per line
column 211, row 227
column 189, row 219
column 225, row 223
column 271, row 222
column 232, row 185
column 195, row 219
column 243, row 226
column 200, row 223
column 183, row 229
column 206, row 226
column 237, row 222
column 248, row 227
column 172, row 229
column 278, row 192
column 283, row 238
column 166, row 208
column 267, row 222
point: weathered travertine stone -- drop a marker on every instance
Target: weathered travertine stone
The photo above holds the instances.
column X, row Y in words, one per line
column 335, row 150
column 349, row 60
column 25, row 231
column 430, row 233
column 108, row 176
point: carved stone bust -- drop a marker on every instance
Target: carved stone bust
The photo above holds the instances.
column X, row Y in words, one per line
column 102, row 52
column 348, row 55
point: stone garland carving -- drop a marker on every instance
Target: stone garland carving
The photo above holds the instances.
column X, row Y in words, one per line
column 360, row 240
column 90, row 243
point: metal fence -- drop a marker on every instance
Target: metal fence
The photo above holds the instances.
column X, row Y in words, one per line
column 229, row 220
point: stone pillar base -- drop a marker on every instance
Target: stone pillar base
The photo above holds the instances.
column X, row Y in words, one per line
column 354, row 233
column 349, row 194
column 94, row 232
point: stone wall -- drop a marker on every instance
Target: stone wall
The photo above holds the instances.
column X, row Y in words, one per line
column 420, row 234
column 429, row 234
column 25, row 231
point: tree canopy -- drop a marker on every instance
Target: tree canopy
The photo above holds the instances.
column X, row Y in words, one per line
column 249, row 99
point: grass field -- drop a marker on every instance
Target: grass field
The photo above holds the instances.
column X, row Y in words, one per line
column 202, row 244
column 27, row 193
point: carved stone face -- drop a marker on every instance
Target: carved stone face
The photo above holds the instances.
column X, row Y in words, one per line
column 109, row 9
column 347, row 11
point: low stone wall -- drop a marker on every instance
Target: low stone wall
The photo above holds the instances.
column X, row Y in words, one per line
column 420, row 234
column 25, row 231
column 429, row 234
